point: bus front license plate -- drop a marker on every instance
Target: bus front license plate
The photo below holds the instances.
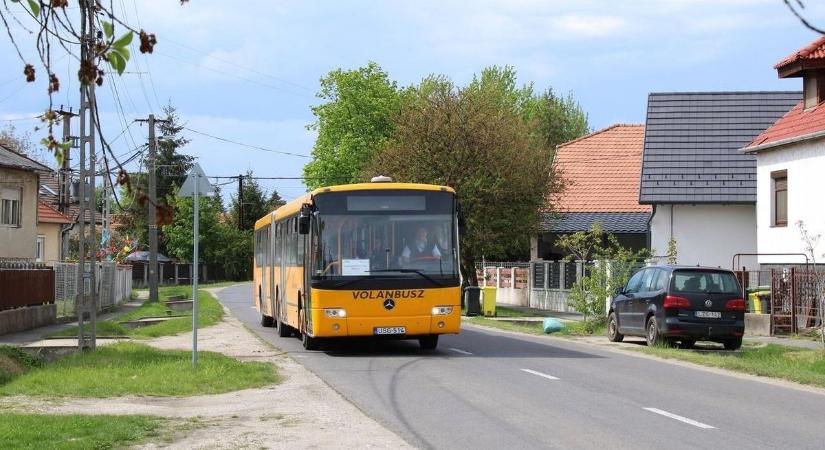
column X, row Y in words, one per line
column 390, row 330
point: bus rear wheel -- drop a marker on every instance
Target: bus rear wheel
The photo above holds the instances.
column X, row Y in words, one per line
column 428, row 342
column 267, row 321
column 284, row 330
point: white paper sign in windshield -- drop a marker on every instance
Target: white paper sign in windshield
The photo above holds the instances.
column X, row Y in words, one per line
column 354, row 267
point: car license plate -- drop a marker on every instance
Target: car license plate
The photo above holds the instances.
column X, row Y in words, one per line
column 390, row 330
column 709, row 314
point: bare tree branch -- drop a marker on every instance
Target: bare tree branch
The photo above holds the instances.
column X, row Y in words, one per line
column 798, row 15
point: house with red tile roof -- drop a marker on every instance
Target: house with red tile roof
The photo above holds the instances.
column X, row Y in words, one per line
column 600, row 172
column 790, row 163
column 50, row 224
column 19, row 182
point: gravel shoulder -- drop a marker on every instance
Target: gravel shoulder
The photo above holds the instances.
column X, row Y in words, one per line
column 300, row 412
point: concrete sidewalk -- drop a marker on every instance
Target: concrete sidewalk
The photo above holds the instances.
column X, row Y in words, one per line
column 27, row 337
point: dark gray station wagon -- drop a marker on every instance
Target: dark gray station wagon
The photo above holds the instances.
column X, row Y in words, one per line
column 666, row 304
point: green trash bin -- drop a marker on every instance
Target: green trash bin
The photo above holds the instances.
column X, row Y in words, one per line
column 488, row 300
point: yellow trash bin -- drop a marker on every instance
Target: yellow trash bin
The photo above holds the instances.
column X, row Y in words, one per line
column 756, row 305
column 488, row 299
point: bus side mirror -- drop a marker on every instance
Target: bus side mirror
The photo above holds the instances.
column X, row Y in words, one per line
column 462, row 223
column 303, row 220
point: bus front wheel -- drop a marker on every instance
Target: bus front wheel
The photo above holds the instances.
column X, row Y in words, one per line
column 309, row 343
column 428, row 342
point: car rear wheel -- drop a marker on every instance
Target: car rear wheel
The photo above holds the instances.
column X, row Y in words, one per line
column 613, row 334
column 687, row 343
column 733, row 344
column 428, row 342
column 652, row 333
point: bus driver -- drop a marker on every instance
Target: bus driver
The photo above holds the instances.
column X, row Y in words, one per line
column 421, row 248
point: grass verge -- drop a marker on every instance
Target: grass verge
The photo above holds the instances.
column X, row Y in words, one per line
column 210, row 312
column 571, row 328
column 504, row 311
column 15, row 362
column 35, row 431
column 775, row 361
column 135, row 369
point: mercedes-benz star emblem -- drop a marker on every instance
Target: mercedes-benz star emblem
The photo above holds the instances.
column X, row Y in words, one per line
column 389, row 304
column 708, row 303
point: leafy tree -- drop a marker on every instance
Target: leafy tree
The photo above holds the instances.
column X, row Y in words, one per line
column 220, row 243
column 355, row 121
column 173, row 166
column 255, row 204
column 274, row 201
column 477, row 140
column 612, row 267
column 21, row 143
column 560, row 119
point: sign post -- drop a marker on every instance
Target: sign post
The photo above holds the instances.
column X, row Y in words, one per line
column 196, row 184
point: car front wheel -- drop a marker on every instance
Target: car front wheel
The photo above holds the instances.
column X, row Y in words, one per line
column 613, row 334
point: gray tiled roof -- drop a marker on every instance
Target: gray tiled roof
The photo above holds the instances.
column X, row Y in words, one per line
column 692, row 141
column 9, row 158
column 614, row 222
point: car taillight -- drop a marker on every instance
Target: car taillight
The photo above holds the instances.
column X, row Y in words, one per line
column 735, row 305
column 674, row 302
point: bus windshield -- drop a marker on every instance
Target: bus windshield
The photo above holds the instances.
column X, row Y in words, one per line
column 393, row 233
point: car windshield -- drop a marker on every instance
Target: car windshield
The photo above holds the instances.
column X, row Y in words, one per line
column 387, row 233
column 704, row 282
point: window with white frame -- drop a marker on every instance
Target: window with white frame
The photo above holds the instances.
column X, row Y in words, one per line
column 10, row 207
column 41, row 247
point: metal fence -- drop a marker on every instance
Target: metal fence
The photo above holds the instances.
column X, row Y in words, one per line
column 25, row 284
column 114, row 286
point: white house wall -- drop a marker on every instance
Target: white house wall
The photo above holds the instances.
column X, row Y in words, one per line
column 708, row 235
column 805, row 163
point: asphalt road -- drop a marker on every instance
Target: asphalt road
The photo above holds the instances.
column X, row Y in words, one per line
column 485, row 389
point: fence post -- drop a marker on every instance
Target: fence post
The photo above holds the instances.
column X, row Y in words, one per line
column 562, row 274
column 176, row 274
column 793, row 300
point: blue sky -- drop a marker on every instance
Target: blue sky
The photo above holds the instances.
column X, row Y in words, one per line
column 248, row 71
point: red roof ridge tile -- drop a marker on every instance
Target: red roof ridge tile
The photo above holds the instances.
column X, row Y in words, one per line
column 47, row 214
column 594, row 133
column 817, row 48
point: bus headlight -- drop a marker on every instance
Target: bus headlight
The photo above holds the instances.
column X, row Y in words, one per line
column 336, row 313
column 442, row 310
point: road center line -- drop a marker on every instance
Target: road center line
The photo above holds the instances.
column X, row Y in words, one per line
column 544, row 375
column 463, row 352
column 680, row 418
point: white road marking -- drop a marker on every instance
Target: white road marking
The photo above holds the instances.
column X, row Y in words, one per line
column 544, row 375
column 680, row 418
column 463, row 352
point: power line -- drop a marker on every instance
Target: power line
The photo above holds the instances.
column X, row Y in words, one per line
column 256, row 147
column 230, row 74
column 234, row 64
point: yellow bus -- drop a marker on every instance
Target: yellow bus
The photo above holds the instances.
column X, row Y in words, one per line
column 373, row 259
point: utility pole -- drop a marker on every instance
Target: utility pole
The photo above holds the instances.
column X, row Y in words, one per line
column 152, row 208
column 86, row 297
column 240, row 202
column 64, row 178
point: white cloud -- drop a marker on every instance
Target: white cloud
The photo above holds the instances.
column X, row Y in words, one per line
column 588, row 26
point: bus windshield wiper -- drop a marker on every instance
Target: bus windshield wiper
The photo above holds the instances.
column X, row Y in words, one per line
column 416, row 271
